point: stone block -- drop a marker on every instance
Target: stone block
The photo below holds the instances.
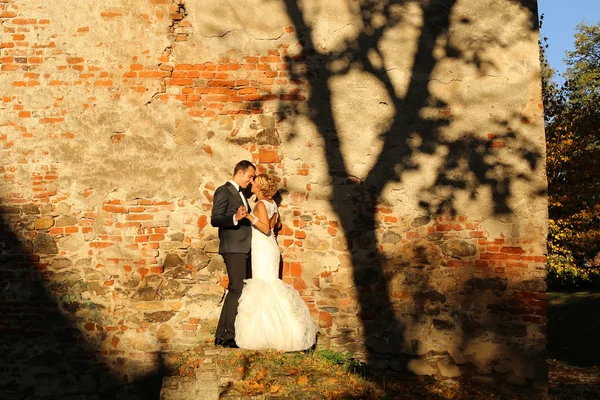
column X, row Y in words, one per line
column 44, row 244
column 449, row 370
column 420, row 367
column 44, row 223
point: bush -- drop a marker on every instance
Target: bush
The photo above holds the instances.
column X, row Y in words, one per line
column 564, row 274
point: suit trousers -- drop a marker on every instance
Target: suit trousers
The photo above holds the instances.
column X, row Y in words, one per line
column 237, row 265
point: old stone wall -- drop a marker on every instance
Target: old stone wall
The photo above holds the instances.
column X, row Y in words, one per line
column 408, row 140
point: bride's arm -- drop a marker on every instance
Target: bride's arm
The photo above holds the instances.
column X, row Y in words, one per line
column 260, row 219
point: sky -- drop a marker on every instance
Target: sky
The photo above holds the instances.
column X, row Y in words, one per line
column 560, row 20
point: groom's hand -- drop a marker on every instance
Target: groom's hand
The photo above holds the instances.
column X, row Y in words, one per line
column 241, row 213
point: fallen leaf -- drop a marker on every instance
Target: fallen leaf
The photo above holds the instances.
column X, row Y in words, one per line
column 275, row 388
column 302, row 380
column 261, row 374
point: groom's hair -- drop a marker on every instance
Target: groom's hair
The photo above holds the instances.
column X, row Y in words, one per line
column 242, row 166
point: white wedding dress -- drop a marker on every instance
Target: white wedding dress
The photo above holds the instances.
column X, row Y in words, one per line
column 271, row 313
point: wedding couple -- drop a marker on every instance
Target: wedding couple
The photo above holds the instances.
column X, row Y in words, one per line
column 265, row 313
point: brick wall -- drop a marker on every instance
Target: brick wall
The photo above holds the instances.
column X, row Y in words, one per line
column 412, row 181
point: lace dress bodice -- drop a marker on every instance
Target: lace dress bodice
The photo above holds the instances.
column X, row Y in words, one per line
column 271, row 209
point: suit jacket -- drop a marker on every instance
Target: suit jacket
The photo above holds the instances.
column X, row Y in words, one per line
column 233, row 238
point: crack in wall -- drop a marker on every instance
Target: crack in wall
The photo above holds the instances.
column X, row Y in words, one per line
column 345, row 26
column 178, row 31
column 444, row 83
column 242, row 30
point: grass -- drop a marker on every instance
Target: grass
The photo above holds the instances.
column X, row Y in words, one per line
column 319, row 372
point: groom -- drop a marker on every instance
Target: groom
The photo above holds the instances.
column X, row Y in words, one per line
column 230, row 208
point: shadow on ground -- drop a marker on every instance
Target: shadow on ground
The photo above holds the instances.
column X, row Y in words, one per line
column 573, row 351
column 573, row 328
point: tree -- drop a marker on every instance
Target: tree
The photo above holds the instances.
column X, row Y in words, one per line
column 573, row 157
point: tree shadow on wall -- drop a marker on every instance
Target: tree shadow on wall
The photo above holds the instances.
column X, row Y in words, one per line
column 470, row 165
column 44, row 353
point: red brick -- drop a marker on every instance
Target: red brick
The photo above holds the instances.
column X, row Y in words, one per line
column 100, row 245
column 181, row 82
column 221, row 83
column 21, row 21
column 493, row 256
column 292, row 97
column 296, row 269
column 108, row 14
column 299, row 284
column 189, row 327
column 202, row 222
column 325, row 319
column 456, row 263
column 512, row 250
column 50, row 120
column 154, row 74
column 74, row 60
column 300, row 235
column 268, row 156
column 114, row 209
column 270, row 59
column 139, row 217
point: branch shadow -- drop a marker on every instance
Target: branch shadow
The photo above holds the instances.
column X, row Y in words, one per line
column 471, row 163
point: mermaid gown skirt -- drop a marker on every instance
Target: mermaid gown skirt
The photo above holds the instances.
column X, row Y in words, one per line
column 271, row 313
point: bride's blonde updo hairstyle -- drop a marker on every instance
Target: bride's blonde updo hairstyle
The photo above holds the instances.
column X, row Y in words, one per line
column 266, row 184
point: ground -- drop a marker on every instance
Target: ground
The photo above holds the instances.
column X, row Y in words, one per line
column 573, row 363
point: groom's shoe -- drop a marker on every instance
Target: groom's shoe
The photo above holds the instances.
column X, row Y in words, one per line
column 230, row 343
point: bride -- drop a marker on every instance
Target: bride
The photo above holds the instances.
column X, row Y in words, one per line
column 271, row 313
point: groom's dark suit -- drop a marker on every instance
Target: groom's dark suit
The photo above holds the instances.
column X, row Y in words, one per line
column 234, row 246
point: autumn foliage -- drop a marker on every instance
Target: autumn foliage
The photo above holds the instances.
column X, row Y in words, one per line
column 572, row 119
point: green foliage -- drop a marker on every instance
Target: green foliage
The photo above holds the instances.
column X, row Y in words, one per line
column 345, row 360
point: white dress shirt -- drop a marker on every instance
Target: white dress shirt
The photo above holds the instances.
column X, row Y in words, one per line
column 244, row 201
